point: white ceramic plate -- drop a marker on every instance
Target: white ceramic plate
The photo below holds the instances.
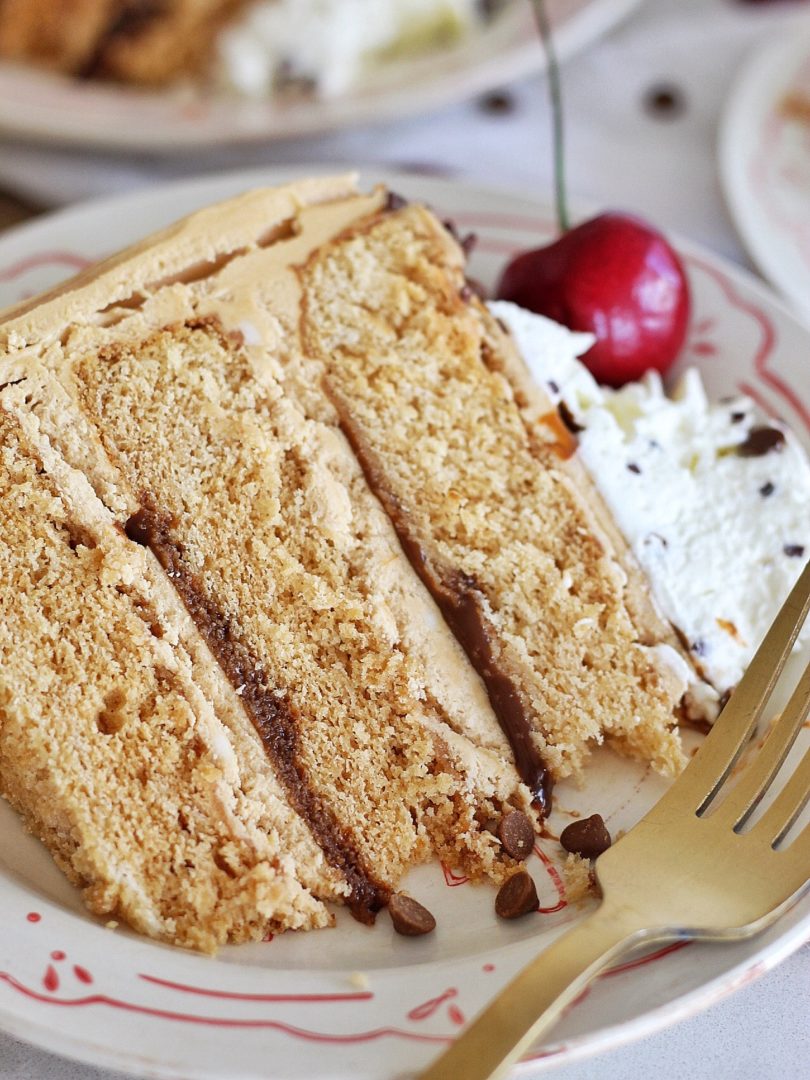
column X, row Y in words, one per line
column 356, row 1002
column 38, row 105
column 765, row 165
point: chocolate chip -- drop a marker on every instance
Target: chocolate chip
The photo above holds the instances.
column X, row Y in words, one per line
column 761, row 440
column 468, row 243
column 553, row 387
column 139, row 527
column 656, row 538
column 409, row 917
column 767, row 489
column 664, row 101
column 394, row 201
column 567, row 418
column 476, row 288
column 517, row 896
column 588, row 837
column 499, row 102
column 516, row 834
column 698, row 647
column 737, row 417
column 794, row 551
column 634, row 468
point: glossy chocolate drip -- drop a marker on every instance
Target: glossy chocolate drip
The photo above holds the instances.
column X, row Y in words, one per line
column 272, row 716
column 460, row 601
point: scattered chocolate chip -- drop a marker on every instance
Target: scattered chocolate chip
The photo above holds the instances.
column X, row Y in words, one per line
column 767, row 489
column 409, row 917
column 665, row 101
column 761, row 440
column 737, row 417
column 489, row 8
column 633, row 467
column 656, row 538
column 653, row 444
column 466, row 243
column 553, row 387
column 698, row 647
column 516, row 834
column 499, row 102
column 567, row 418
column 588, row 837
column 139, row 527
column 394, row 201
column 794, row 551
column 517, row 896
column 476, row 288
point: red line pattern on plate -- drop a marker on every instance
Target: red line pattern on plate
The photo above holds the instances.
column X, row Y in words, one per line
column 428, row 1008
column 222, row 1021
column 557, row 881
column 45, row 258
column 227, row 995
column 631, row 965
column 451, row 879
column 766, row 347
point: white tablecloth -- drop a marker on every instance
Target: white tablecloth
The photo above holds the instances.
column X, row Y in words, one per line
column 621, row 154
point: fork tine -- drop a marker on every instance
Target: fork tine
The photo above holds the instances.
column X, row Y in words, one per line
column 786, row 807
column 705, row 773
column 745, row 796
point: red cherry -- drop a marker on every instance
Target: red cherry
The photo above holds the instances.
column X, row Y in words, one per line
column 616, row 277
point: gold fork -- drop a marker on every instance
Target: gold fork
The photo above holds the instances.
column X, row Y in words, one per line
column 685, row 871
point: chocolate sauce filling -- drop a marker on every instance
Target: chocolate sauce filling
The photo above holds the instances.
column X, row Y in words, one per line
column 459, row 598
column 272, row 716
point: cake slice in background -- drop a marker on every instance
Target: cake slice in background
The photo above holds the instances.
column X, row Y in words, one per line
column 250, row 47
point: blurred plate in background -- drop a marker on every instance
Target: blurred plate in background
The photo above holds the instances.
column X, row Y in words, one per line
column 54, row 108
column 765, row 163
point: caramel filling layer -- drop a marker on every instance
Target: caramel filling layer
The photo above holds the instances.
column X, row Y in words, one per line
column 458, row 597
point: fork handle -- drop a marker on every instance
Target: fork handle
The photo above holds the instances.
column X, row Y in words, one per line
column 537, row 997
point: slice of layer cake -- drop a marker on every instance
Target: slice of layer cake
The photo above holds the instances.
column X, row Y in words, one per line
column 469, row 469
column 346, row 532
column 278, row 561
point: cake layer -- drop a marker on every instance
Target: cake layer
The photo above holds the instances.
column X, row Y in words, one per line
column 498, row 532
column 113, row 756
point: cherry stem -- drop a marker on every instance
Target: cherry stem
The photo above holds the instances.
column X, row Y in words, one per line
column 555, row 90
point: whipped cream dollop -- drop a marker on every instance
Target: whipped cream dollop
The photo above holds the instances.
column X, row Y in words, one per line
column 329, row 44
column 713, row 500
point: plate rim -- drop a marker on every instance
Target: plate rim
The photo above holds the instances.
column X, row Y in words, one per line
column 734, row 136
column 575, row 1048
column 49, row 125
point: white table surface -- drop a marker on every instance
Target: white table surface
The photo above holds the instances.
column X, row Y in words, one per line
column 620, row 155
